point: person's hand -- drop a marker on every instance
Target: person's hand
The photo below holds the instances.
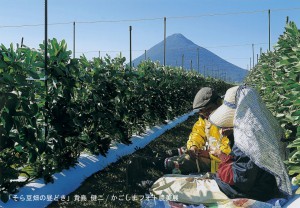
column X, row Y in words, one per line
column 193, row 151
column 216, row 152
column 203, row 153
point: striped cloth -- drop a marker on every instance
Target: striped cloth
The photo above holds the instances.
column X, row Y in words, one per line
column 257, row 133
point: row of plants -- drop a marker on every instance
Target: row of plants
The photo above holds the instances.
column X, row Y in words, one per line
column 277, row 77
column 48, row 117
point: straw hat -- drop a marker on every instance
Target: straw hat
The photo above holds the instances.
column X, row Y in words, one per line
column 203, row 97
column 223, row 116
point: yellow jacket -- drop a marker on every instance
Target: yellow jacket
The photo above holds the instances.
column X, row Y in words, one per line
column 202, row 129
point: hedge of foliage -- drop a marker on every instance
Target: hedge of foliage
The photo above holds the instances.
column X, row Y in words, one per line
column 81, row 105
column 277, row 77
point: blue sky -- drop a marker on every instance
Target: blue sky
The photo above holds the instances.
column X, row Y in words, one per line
column 228, row 28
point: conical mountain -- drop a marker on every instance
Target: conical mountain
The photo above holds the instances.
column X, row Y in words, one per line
column 181, row 51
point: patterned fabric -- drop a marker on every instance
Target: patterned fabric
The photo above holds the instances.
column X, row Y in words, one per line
column 156, row 203
column 229, row 104
column 250, row 203
column 230, row 203
column 189, row 189
column 257, row 133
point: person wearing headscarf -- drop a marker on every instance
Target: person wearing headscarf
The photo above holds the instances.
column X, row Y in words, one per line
column 254, row 168
column 206, row 100
column 192, row 158
column 204, row 135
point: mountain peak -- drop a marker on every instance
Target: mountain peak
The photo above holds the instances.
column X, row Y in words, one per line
column 178, row 38
column 182, row 52
column 177, row 35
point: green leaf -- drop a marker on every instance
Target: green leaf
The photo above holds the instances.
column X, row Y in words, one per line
column 21, row 79
column 297, row 102
column 296, row 113
column 41, row 147
column 32, row 157
column 280, row 115
column 4, row 196
column 34, row 108
column 7, row 121
column 25, row 107
column 295, row 143
column 2, row 102
column 6, row 58
column 290, row 118
column 297, row 191
column 33, row 74
column 19, row 148
column 7, row 78
column 295, row 157
column 287, row 103
column 283, row 62
column 294, row 169
column 12, row 103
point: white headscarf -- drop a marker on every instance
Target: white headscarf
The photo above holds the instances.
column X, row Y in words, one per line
column 257, row 133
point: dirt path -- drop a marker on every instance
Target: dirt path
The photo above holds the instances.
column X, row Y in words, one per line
column 110, row 187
